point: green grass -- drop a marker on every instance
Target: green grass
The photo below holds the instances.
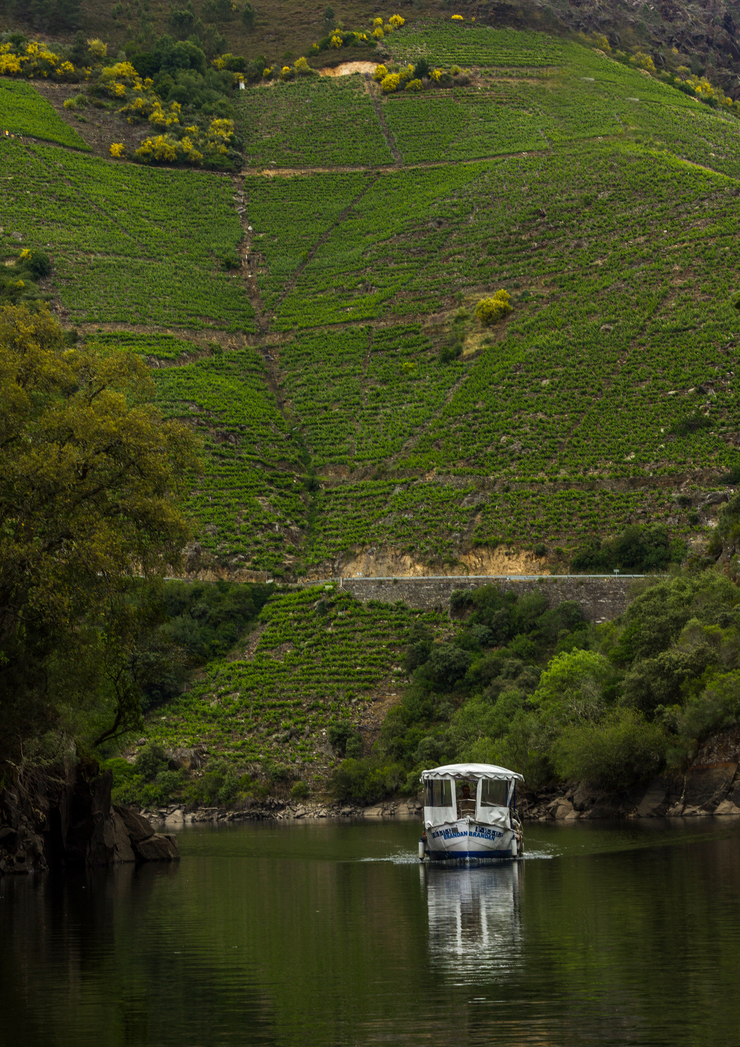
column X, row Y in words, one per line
column 23, row 111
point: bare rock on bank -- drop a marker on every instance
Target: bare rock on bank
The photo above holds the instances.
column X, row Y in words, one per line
column 137, row 826
column 147, row 845
column 159, row 847
column 67, row 820
column 122, row 849
column 707, row 786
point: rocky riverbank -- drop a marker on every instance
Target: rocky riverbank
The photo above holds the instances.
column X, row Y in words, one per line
column 176, row 816
column 64, row 819
column 711, row 786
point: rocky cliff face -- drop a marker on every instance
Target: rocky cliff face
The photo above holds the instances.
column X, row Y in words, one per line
column 64, row 818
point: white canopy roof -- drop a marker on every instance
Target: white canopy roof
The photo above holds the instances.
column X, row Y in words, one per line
column 471, row 771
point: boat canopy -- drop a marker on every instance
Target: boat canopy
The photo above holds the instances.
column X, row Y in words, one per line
column 470, row 771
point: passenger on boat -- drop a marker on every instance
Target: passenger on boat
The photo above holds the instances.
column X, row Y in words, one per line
column 466, row 804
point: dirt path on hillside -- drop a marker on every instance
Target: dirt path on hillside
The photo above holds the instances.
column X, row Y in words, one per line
column 390, row 140
column 249, row 260
column 310, row 254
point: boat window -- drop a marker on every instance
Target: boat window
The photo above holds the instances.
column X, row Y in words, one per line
column 493, row 792
column 438, row 794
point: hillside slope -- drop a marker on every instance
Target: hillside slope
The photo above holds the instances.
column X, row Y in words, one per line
column 338, row 419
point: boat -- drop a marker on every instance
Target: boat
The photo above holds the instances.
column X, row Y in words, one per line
column 470, row 814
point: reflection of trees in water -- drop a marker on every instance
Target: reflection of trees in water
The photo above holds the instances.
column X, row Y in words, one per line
column 100, row 957
column 474, row 919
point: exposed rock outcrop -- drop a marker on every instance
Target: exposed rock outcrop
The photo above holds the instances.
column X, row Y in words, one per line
column 66, row 819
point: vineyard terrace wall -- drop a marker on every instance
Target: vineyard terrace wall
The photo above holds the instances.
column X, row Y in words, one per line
column 601, row 599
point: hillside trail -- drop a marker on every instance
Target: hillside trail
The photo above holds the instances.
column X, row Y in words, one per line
column 247, row 259
column 380, row 115
column 311, row 253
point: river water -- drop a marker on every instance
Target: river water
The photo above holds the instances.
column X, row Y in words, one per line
column 325, row 933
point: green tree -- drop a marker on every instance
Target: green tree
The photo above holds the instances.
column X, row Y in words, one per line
column 88, row 506
column 618, row 752
column 248, row 15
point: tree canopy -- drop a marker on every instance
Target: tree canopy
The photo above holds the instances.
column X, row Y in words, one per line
column 89, row 488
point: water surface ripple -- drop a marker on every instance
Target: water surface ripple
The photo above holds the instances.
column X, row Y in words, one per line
column 332, row 933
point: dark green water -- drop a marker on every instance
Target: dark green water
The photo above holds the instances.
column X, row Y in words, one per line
column 331, row 934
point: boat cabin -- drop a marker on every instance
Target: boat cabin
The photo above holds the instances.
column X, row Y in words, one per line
column 482, row 792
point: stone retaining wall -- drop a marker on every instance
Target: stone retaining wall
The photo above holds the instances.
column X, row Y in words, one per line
column 601, row 598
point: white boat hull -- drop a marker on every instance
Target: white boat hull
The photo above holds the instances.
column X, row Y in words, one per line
column 466, row 840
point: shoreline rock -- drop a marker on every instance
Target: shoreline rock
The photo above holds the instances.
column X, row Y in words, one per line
column 710, row 787
column 66, row 820
column 273, row 809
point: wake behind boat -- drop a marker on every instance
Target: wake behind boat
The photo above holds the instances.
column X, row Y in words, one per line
column 470, row 813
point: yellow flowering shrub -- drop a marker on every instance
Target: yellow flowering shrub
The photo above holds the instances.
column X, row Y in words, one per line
column 643, row 61
column 390, row 83
column 490, row 310
column 202, row 142
column 413, row 85
column 457, row 18
column 119, row 71
column 377, row 21
column 396, row 21
column 10, row 65
column 437, row 74
column 266, row 73
column 380, row 73
column 97, row 48
column 222, row 127
column 25, row 253
column 378, row 33
column 190, row 152
column 302, row 67
column 336, row 41
column 34, row 59
column 163, row 147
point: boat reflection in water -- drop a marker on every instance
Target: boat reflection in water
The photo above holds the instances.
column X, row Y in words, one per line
column 475, row 929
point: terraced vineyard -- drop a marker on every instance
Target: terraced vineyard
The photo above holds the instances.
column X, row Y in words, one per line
column 24, row 112
column 309, row 123
column 321, row 656
column 479, row 45
column 130, row 245
column 248, row 500
column 352, row 400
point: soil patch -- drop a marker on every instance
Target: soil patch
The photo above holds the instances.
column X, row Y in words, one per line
column 99, row 127
column 348, row 68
